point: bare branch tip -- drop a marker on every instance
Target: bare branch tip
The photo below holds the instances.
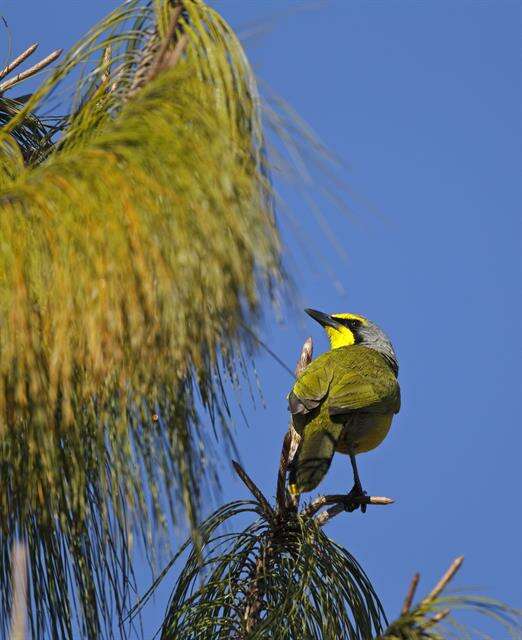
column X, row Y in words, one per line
column 28, row 72
column 18, row 60
column 438, row 617
column 379, row 500
column 308, row 344
column 410, row 594
column 253, row 488
column 446, row 578
column 19, row 578
column 237, row 467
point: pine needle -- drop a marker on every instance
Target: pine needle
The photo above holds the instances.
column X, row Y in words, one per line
column 132, row 253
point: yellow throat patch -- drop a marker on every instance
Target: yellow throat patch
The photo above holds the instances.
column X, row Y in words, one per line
column 343, row 336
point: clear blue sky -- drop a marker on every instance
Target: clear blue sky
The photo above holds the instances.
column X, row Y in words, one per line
column 422, row 102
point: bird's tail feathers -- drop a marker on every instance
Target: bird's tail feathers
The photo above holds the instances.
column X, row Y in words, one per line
column 312, row 459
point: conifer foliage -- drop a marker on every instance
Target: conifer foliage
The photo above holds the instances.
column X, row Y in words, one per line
column 137, row 238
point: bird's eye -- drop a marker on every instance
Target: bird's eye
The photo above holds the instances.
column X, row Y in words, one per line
column 351, row 323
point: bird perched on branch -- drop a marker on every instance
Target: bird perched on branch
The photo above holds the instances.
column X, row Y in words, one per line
column 344, row 400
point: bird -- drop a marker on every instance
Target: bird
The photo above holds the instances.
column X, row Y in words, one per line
column 344, row 400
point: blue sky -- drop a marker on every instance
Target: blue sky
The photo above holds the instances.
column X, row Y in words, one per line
column 421, row 101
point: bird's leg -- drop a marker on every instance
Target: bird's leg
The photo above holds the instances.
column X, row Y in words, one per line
column 357, row 490
column 357, row 486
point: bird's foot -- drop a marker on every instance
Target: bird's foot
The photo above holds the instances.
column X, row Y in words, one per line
column 352, row 501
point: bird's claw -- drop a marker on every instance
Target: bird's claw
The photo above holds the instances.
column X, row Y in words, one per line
column 352, row 502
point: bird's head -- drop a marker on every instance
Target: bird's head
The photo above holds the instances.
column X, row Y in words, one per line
column 346, row 329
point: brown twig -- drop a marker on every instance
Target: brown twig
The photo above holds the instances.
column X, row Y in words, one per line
column 442, row 583
column 291, row 439
column 171, row 60
column 307, row 353
column 305, row 358
column 438, row 617
column 325, row 517
column 161, row 57
column 254, row 596
column 342, row 500
column 411, row 594
column 19, row 587
column 341, row 505
column 254, row 489
column 4, row 86
column 18, row 60
column 106, row 61
column 281, row 493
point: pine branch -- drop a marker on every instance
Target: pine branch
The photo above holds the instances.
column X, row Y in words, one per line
column 18, row 60
column 282, row 498
column 341, row 503
column 416, row 621
column 254, row 597
column 279, row 579
column 291, row 439
column 39, row 66
column 422, row 621
column 443, row 582
column 159, row 55
column 19, row 582
column 411, row 594
column 254, row 490
column 162, row 60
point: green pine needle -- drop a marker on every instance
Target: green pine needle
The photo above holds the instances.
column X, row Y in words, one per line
column 270, row 579
column 132, row 253
column 437, row 620
column 281, row 577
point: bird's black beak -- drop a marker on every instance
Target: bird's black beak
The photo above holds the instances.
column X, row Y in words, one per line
column 323, row 319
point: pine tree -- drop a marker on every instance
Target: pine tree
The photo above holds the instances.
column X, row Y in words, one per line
column 137, row 240
column 137, row 243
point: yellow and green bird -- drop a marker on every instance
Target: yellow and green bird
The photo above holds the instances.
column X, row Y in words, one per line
column 344, row 400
